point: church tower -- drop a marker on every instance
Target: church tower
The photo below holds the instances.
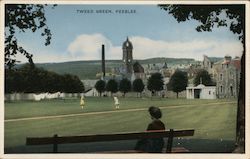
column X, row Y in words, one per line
column 127, row 57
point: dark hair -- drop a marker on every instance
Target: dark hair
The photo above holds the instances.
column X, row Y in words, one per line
column 155, row 112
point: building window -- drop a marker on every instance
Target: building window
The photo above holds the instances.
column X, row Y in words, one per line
column 221, row 76
column 221, row 89
column 209, row 92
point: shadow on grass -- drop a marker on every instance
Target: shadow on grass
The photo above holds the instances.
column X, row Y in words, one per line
column 193, row 145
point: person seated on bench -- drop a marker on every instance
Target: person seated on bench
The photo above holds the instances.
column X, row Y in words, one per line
column 152, row 145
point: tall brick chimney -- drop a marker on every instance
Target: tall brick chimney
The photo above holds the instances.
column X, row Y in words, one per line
column 103, row 61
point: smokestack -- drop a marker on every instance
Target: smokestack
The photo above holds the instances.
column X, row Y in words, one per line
column 103, row 60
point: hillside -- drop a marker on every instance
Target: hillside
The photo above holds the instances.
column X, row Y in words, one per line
column 88, row 69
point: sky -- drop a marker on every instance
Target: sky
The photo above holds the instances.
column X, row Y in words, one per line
column 78, row 32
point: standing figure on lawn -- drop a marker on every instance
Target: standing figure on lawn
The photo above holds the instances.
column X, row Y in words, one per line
column 116, row 102
column 82, row 103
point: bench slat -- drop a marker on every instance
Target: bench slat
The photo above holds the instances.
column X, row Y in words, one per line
column 106, row 137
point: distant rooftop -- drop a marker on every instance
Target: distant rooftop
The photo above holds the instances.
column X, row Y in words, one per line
column 215, row 59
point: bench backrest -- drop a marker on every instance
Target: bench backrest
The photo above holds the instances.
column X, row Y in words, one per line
column 55, row 140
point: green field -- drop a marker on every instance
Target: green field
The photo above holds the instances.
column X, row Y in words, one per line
column 213, row 121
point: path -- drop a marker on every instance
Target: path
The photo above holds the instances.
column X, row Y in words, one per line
column 113, row 111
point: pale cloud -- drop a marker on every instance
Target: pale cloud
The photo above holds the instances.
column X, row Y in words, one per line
column 148, row 48
column 88, row 47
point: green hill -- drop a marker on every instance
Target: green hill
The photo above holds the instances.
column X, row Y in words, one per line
column 88, row 69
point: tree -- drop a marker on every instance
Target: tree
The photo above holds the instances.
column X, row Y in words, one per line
column 72, row 84
column 23, row 17
column 178, row 82
column 155, row 82
column 138, row 85
column 125, row 86
column 112, row 86
column 13, row 80
column 203, row 77
column 31, row 79
column 208, row 16
column 100, row 86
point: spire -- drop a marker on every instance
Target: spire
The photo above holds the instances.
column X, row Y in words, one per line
column 127, row 44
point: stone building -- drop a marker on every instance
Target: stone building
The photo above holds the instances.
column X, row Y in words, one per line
column 208, row 64
column 227, row 76
column 138, row 72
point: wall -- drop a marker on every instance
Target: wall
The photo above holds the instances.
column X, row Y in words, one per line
column 31, row 96
column 205, row 93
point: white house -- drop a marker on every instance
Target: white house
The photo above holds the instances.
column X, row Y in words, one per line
column 201, row 92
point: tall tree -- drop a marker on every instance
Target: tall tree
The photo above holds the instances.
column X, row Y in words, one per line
column 112, row 86
column 138, row 85
column 209, row 17
column 155, row 82
column 178, row 82
column 203, row 77
column 31, row 79
column 23, row 17
column 100, row 86
column 125, row 86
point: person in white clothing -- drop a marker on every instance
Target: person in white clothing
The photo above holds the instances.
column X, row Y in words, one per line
column 116, row 102
column 82, row 103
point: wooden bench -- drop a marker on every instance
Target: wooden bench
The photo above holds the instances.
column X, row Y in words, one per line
column 55, row 140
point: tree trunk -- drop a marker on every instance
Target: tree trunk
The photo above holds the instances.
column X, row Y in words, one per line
column 240, row 122
column 177, row 95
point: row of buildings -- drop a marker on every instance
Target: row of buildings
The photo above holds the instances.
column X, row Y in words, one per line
column 224, row 71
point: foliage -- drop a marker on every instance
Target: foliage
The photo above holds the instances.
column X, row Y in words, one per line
column 30, row 79
column 23, row 17
column 138, row 85
column 72, row 84
column 155, row 82
column 178, row 82
column 100, row 86
column 125, row 86
column 203, row 77
column 112, row 86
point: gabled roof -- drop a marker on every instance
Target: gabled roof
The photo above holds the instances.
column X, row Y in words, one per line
column 138, row 67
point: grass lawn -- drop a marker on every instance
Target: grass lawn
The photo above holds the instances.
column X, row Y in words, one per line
column 214, row 124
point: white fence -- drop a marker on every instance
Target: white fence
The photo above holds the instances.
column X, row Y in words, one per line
column 91, row 93
column 41, row 96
